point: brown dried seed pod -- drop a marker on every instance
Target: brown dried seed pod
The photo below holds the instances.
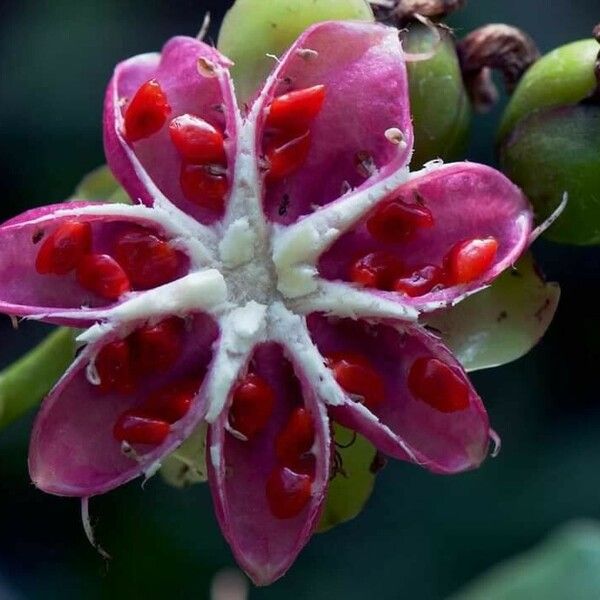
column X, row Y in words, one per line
column 401, row 12
column 494, row 46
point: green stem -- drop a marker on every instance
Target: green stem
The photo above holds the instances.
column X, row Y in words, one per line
column 24, row 383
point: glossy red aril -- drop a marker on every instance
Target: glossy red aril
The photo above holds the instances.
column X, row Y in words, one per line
column 113, row 366
column 202, row 186
column 285, row 157
column 103, row 275
column 421, row 282
column 137, row 427
column 173, row 401
column 148, row 260
column 295, row 440
column 470, row 259
column 62, row 250
column 377, row 270
column 147, row 112
column 288, row 492
column 252, row 405
column 197, row 141
column 156, row 348
column 295, row 111
column 357, row 377
column 396, row 221
column 437, row 384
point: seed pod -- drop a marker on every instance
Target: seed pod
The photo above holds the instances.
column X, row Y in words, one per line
column 549, row 140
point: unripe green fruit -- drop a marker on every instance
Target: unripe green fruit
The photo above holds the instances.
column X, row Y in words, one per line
column 252, row 29
column 550, row 144
column 439, row 102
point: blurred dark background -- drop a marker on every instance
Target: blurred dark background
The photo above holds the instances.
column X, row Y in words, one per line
column 421, row 536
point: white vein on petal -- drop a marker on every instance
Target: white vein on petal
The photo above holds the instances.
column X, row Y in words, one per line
column 241, row 330
column 299, row 246
column 342, row 299
column 291, row 331
column 203, row 290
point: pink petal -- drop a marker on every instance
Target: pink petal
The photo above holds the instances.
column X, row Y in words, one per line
column 404, row 426
column 73, row 451
column 150, row 168
column 362, row 68
column 25, row 292
column 264, row 545
column 467, row 201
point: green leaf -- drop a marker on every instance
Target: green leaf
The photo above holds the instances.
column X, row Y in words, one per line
column 187, row 465
column 565, row 566
column 349, row 490
column 252, row 29
column 501, row 323
column 101, row 186
column 27, row 381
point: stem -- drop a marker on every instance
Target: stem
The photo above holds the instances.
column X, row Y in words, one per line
column 24, row 383
column 495, row 46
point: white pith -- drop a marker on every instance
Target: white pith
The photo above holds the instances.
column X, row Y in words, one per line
column 258, row 280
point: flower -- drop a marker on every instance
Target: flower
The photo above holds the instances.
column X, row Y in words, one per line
column 271, row 278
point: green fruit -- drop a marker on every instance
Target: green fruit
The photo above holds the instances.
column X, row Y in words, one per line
column 563, row 76
column 550, row 143
column 555, row 151
column 439, row 103
column 252, row 29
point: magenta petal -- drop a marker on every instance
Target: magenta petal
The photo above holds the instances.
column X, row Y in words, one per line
column 403, row 426
column 264, row 545
column 73, row 451
column 25, row 292
column 149, row 168
column 363, row 70
column 467, row 201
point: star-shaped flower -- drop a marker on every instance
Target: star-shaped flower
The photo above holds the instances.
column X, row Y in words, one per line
column 271, row 278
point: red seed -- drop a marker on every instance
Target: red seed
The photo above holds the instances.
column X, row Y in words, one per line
column 157, row 348
column 470, row 259
column 305, row 465
column 286, row 156
column 197, row 141
column 252, row 405
column 148, row 260
column 421, row 282
column 288, row 492
column 294, row 112
column 173, row 401
column 147, row 112
column 64, row 248
column 356, row 376
column 377, row 270
column 295, row 439
column 438, row 385
column 103, row 275
column 203, row 187
column 396, row 221
column 137, row 427
column 113, row 365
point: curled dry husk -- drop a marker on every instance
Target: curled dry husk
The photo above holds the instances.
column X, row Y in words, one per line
column 266, row 289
